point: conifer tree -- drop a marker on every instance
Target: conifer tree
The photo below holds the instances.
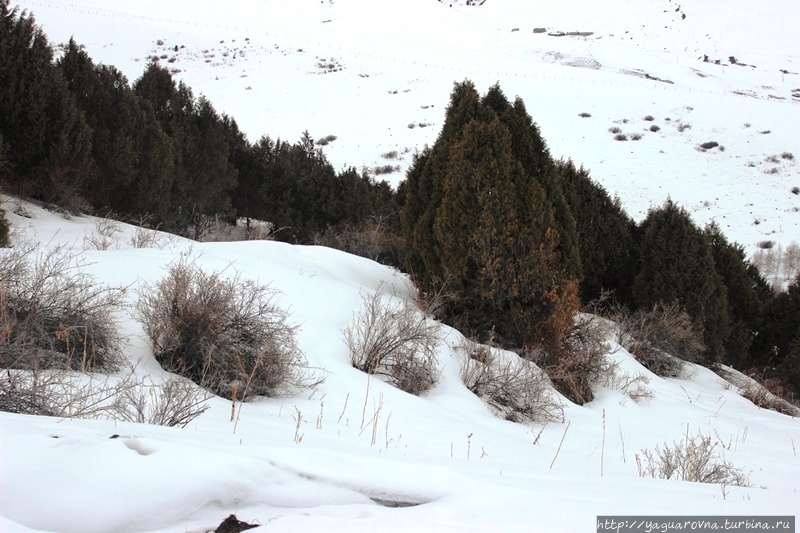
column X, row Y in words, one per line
column 744, row 301
column 605, row 235
column 676, row 265
column 131, row 156
column 476, row 217
column 47, row 140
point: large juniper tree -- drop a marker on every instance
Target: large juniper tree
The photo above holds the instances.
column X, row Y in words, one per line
column 477, row 218
column 676, row 266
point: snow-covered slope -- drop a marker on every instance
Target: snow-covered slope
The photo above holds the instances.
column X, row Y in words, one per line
column 368, row 71
column 362, row 447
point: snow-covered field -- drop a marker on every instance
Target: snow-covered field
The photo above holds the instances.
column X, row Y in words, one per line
column 364, row 71
column 445, row 457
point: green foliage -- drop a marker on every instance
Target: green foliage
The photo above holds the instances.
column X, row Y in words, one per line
column 477, row 218
column 676, row 266
column 47, row 140
column 605, row 234
column 780, row 324
column 132, row 158
column 204, row 175
column 744, row 302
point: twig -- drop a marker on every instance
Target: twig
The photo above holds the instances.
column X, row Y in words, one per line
column 559, row 445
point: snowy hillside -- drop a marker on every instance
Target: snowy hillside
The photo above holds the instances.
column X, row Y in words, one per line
column 357, row 454
column 377, row 75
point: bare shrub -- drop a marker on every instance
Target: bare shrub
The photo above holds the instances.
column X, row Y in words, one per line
column 226, row 334
column 395, row 342
column 372, row 239
column 516, row 390
column 655, row 128
column 683, row 127
column 584, row 115
column 661, row 339
column 694, row 459
column 614, row 129
column 69, row 395
column 580, row 360
column 620, row 137
column 636, row 136
column 104, row 236
column 649, row 118
column 54, row 315
column 175, row 403
column 788, row 156
column 390, row 155
column 634, row 386
column 765, row 392
column 772, row 159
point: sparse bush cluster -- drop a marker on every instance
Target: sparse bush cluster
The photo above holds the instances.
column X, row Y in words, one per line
column 517, row 390
column 579, row 361
column 54, row 315
column 394, row 341
column 661, row 338
column 176, row 402
column 227, row 334
column 693, row 459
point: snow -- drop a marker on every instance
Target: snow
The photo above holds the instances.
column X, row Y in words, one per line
column 445, row 458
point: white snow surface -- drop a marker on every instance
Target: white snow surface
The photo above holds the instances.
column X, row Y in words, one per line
column 456, row 465
column 451, row 463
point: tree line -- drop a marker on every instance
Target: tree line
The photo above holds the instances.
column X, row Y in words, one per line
column 515, row 240
column 78, row 135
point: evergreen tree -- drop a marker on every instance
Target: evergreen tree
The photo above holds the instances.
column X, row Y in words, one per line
column 131, row 155
column 605, row 236
column 476, row 217
column 676, row 265
column 780, row 324
column 203, row 176
column 47, row 140
column 744, row 301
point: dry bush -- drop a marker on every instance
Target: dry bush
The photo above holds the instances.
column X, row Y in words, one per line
column 54, row 315
column 765, row 392
column 68, row 395
column 372, row 239
column 636, row 136
column 105, row 235
column 396, row 342
column 175, row 403
column 695, row 459
column 226, row 334
column 579, row 361
column 620, row 137
column 516, row 390
column 661, row 339
column 614, row 130
column 634, row 386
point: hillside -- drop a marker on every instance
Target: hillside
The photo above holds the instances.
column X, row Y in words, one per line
column 355, row 453
column 363, row 455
